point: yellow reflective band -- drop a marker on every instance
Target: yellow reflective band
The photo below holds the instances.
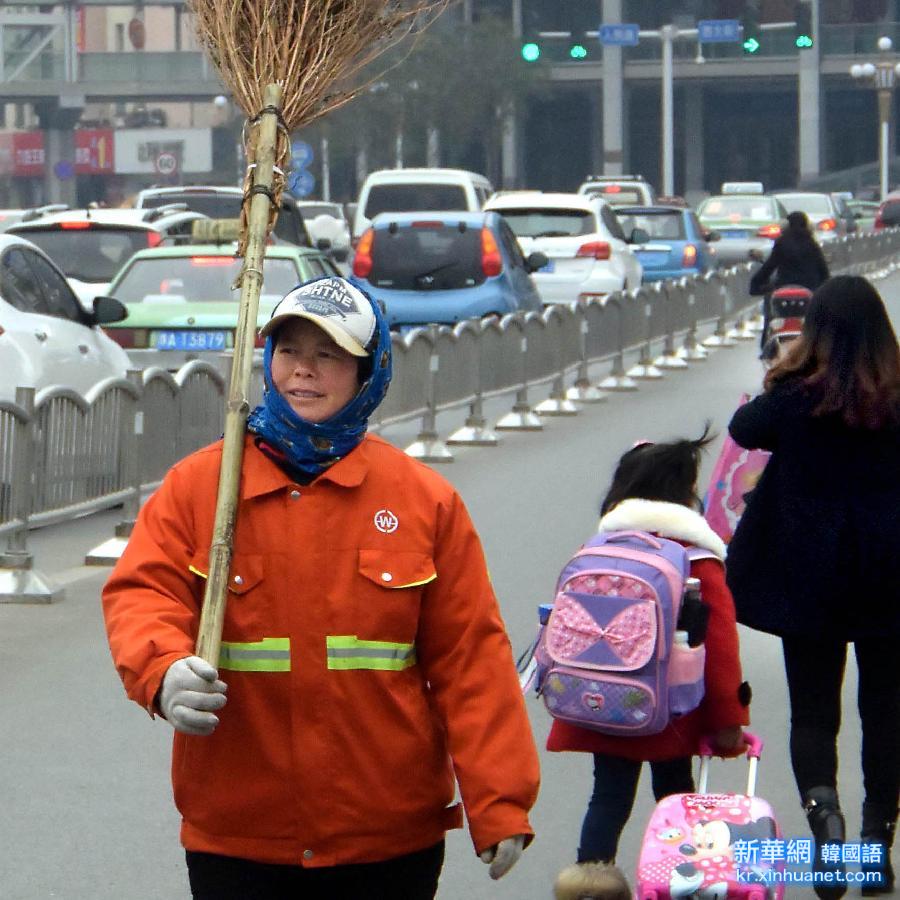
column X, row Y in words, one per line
column 347, row 651
column 410, row 584
column 196, row 571
column 267, row 655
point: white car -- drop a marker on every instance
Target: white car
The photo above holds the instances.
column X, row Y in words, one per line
column 326, row 221
column 91, row 245
column 46, row 337
column 587, row 253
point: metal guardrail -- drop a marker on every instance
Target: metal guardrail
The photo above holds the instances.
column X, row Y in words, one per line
column 63, row 455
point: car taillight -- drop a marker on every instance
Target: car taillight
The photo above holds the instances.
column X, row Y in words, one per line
column 154, row 238
column 129, row 338
column 362, row 262
column 212, row 260
column 826, row 225
column 74, row 226
column 594, row 249
column 689, row 256
column 612, row 189
column 491, row 261
column 769, row 231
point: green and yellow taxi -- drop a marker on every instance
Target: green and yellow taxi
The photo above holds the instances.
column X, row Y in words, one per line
column 180, row 300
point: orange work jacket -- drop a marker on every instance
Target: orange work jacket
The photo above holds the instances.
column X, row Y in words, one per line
column 368, row 668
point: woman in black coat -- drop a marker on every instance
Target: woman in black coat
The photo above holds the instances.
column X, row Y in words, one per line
column 816, row 556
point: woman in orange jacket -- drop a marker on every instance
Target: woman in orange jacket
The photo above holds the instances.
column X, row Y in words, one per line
column 367, row 667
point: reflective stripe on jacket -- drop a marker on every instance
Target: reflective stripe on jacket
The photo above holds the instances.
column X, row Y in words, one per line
column 364, row 653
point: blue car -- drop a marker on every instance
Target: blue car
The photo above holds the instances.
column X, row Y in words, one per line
column 678, row 245
column 445, row 267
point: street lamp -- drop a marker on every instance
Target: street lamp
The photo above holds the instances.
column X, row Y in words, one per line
column 883, row 75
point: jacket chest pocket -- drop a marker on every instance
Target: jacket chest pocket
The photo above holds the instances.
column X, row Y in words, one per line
column 390, row 594
column 246, row 614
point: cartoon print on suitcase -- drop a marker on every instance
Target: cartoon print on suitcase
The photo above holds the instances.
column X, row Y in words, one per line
column 688, row 846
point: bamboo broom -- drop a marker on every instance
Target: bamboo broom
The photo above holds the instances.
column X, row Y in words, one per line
column 286, row 62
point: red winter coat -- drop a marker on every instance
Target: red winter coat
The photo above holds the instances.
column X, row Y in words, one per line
column 722, row 704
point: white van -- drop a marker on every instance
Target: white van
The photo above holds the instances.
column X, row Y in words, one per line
column 411, row 190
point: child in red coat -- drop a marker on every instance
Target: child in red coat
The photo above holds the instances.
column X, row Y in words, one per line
column 654, row 489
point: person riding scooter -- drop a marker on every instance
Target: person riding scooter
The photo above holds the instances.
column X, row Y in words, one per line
column 796, row 258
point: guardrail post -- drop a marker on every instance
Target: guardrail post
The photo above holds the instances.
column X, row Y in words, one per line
column 742, row 330
column 720, row 337
column 617, row 380
column 131, row 433
column 476, row 432
column 669, row 358
column 557, row 404
column 691, row 349
column 19, row 581
column 583, row 391
column 428, row 447
column 645, row 370
column 521, row 417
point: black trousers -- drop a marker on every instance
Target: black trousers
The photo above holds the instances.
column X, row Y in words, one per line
column 412, row 877
column 815, row 673
column 615, row 786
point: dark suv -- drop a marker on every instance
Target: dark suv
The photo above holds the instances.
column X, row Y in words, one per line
column 888, row 215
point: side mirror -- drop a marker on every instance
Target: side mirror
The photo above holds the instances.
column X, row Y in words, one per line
column 108, row 309
column 710, row 236
column 638, row 236
column 323, row 244
column 536, row 260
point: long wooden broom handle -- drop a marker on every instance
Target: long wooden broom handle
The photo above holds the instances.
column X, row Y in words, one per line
column 237, row 408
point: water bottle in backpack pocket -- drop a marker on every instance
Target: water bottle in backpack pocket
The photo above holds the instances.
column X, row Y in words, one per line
column 607, row 656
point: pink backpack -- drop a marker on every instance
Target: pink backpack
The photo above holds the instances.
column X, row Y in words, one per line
column 607, row 655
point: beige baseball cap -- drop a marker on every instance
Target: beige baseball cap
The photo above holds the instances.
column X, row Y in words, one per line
column 341, row 310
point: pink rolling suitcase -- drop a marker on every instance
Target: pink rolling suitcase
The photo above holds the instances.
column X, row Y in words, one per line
column 689, row 847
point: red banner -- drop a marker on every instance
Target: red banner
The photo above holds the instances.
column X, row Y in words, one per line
column 94, row 151
column 22, row 153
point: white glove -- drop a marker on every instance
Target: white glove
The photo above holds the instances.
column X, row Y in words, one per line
column 503, row 856
column 191, row 693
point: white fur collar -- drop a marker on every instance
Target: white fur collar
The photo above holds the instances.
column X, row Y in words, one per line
column 671, row 520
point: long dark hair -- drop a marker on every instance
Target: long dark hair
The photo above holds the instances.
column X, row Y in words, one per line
column 847, row 357
column 659, row 472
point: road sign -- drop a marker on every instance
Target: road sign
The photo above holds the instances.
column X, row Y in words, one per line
column 63, row 170
column 302, row 183
column 166, row 163
column 622, row 35
column 301, row 154
column 718, row 31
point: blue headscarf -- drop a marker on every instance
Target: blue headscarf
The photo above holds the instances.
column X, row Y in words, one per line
column 312, row 447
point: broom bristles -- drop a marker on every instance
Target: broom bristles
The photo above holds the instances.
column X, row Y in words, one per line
column 315, row 49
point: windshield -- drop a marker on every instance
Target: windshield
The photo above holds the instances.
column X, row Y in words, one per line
column 198, row 279
column 92, row 254
column 535, row 223
column 667, row 225
column 413, row 197
column 427, row 256
column 737, row 208
column 812, row 204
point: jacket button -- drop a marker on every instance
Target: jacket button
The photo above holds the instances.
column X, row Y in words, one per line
column 308, row 854
column 295, row 495
column 386, row 576
column 238, row 579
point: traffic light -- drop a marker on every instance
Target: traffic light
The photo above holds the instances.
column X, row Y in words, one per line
column 578, row 51
column 531, row 52
column 803, row 31
column 750, row 28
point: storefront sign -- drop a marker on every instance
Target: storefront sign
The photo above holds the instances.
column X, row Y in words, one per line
column 22, row 153
column 94, row 151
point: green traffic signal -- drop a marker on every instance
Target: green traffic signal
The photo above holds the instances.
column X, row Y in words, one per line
column 578, row 51
column 750, row 29
column 803, row 29
column 531, row 52
column 803, row 41
column 751, row 45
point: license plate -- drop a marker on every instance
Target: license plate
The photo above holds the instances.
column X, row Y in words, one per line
column 548, row 267
column 190, row 340
column 737, row 235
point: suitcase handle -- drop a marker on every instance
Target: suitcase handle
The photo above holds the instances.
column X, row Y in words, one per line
column 754, row 746
column 754, row 749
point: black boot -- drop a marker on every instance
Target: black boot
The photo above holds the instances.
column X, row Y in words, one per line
column 878, row 824
column 823, row 812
